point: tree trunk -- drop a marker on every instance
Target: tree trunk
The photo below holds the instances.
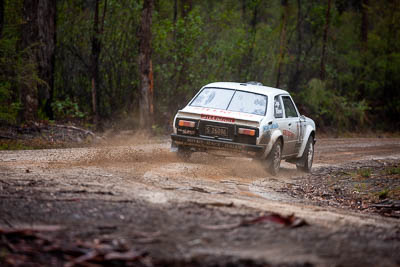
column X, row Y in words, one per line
column 390, row 88
column 46, row 53
column 325, row 40
column 29, row 37
column 364, row 25
column 96, row 50
column 95, row 63
column 299, row 35
column 175, row 11
column 299, row 45
column 175, row 18
column 1, row 17
column 39, row 35
column 253, row 32
column 244, row 9
column 186, row 7
column 295, row 78
column 282, row 44
column 364, row 47
column 145, row 66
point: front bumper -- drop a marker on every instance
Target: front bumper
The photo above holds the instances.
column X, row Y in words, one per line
column 207, row 143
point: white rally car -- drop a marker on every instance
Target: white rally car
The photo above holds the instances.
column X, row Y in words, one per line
column 261, row 121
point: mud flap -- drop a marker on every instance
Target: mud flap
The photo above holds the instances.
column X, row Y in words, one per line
column 300, row 162
column 174, row 147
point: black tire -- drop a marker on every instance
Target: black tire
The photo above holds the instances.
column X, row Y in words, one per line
column 184, row 153
column 274, row 158
column 305, row 162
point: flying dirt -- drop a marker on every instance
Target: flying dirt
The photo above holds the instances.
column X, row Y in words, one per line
column 212, row 209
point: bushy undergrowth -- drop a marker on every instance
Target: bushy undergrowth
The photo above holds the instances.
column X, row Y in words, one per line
column 329, row 109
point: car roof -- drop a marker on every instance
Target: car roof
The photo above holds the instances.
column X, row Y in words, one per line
column 259, row 89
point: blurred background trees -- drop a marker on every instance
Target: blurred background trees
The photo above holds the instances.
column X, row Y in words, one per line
column 80, row 59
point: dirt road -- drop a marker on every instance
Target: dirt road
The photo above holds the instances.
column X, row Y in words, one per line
column 210, row 210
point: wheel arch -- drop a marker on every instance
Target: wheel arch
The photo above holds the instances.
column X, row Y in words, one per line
column 275, row 136
column 310, row 131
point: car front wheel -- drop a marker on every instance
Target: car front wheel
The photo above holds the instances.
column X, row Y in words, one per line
column 274, row 158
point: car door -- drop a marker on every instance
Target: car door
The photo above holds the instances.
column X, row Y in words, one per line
column 282, row 122
column 290, row 126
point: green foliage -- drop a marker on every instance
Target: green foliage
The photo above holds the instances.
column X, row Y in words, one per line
column 331, row 109
column 14, row 145
column 177, row 59
column 393, row 171
column 67, row 109
column 8, row 109
column 383, row 194
column 17, row 67
column 16, row 70
column 217, row 41
column 364, row 173
column 118, row 57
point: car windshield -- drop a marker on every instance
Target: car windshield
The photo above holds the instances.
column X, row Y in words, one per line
column 232, row 100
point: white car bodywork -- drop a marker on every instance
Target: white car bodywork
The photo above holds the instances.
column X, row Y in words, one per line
column 281, row 122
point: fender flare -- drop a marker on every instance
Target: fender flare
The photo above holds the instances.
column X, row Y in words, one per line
column 275, row 135
column 308, row 131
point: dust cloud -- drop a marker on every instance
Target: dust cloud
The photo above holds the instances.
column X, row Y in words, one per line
column 136, row 154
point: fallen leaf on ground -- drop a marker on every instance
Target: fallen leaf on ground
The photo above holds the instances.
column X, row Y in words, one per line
column 290, row 221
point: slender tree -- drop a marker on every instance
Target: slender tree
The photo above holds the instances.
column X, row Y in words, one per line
column 294, row 77
column 96, row 50
column 29, row 33
column 390, row 89
column 294, row 81
column 253, row 32
column 175, row 17
column 145, row 66
column 364, row 24
column 364, row 46
column 186, row 7
column 282, row 43
column 1, row 17
column 95, row 63
column 325, row 40
column 46, row 53
column 38, row 35
column 244, row 7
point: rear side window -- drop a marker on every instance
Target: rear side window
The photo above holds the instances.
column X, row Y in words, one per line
column 248, row 103
column 290, row 110
column 278, row 110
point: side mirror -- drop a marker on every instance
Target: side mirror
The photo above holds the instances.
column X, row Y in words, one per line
column 303, row 118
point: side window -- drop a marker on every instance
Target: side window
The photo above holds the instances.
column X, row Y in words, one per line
column 278, row 110
column 290, row 110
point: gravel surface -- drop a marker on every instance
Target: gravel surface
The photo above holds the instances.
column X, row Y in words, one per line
column 211, row 210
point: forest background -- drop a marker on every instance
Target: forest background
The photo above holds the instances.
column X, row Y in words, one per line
column 131, row 63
